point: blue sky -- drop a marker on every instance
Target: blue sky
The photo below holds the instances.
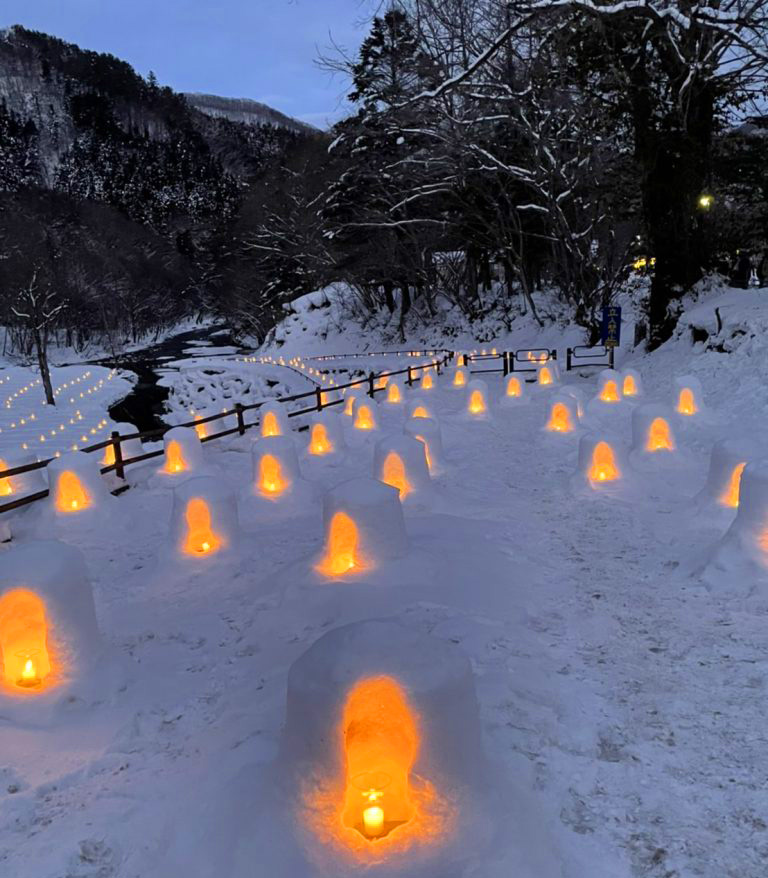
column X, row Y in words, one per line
column 260, row 49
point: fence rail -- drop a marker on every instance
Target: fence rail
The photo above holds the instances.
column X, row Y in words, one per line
column 577, row 357
column 318, row 394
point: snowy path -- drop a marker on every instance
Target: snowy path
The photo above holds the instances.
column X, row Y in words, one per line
column 623, row 698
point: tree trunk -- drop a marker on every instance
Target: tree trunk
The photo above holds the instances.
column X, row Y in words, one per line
column 45, row 373
column 405, row 307
column 389, row 296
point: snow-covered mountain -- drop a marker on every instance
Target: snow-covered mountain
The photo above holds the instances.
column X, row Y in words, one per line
column 244, row 110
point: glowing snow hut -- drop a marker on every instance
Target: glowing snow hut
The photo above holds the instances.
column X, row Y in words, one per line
column 351, row 398
column 326, row 437
column 419, row 407
column 478, row 403
column 275, row 466
column 76, row 484
column 273, row 420
column 13, row 487
column 394, row 395
column 609, row 386
column 726, row 467
column 458, row 377
column 602, row 461
column 547, row 374
column 48, row 631
column 427, row 380
column 562, row 414
column 513, row 390
column 631, row 384
column 183, row 452
column 204, row 520
column 748, row 535
column 401, row 461
column 382, row 731
column 427, row 430
column 689, row 397
column 364, row 419
column 364, row 526
column 652, row 431
column 128, row 447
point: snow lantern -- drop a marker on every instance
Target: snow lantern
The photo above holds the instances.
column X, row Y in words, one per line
column 383, row 733
column 275, row 466
column 459, row 377
column 631, row 383
column 477, row 399
column 513, row 390
column 48, row 631
column 749, row 531
column 395, row 394
column 401, row 461
column 351, row 397
column 204, row 519
column 427, row 380
column 273, row 420
column 609, row 386
column 652, row 429
column 427, row 430
column 364, row 417
column 726, row 467
column 547, row 375
column 326, row 438
column 689, row 397
column 128, row 447
column 601, row 460
column 364, row 525
column 76, row 484
column 12, row 487
column 418, row 407
column 563, row 414
column 183, row 452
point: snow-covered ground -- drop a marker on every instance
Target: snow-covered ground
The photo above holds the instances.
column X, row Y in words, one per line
column 623, row 704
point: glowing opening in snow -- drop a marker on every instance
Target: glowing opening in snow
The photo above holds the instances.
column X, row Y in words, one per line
column 174, row 458
column 5, row 484
column 269, row 425
column 349, row 405
column 419, row 412
column 201, row 540
column 659, row 436
column 514, row 388
column 427, row 382
column 383, row 381
column 319, row 442
column 610, row 392
column 70, row 493
column 426, row 451
column 629, row 387
column 477, row 404
column 201, row 430
column 271, row 479
column 545, row 376
column 393, row 394
column 459, row 378
column 603, row 467
column 26, row 662
column 731, row 495
column 560, row 419
column 342, row 554
column 686, row 402
column 393, row 473
column 363, row 417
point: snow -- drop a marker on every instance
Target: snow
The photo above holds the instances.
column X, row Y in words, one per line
column 617, row 645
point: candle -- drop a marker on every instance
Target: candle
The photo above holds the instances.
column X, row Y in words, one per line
column 373, row 820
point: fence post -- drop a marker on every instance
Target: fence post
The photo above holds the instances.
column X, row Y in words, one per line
column 118, row 455
column 240, row 418
column 553, row 354
column 568, row 353
column 409, row 380
column 610, row 356
column 319, row 398
column 371, row 385
column 504, row 364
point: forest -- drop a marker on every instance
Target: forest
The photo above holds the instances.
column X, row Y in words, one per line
column 490, row 146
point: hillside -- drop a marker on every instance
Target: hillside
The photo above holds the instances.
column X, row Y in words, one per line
column 246, row 111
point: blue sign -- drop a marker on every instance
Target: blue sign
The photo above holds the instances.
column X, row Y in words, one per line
column 610, row 326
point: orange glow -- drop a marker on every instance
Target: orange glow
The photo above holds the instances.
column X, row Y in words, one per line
column 604, row 468
column 319, row 442
column 426, row 451
column 393, row 473
column 686, row 403
column 269, row 425
column 459, row 379
column 271, row 479
column 174, row 459
column 349, row 405
column 610, row 392
column 5, row 484
column 419, row 412
column 659, row 436
column 383, row 382
column 363, row 417
column 477, row 404
column 732, row 492
column 201, row 430
column 514, row 388
column 393, row 394
column 427, row 382
column 107, row 460
column 342, row 555
column 545, row 376
column 629, row 387
column 24, row 641
column 201, row 540
column 560, row 419
column 70, row 495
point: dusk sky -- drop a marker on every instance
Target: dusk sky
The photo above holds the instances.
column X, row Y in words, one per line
column 260, row 49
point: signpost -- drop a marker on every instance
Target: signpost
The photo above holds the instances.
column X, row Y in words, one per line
column 610, row 326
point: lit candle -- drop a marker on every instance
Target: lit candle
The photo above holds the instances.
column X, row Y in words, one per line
column 373, row 820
